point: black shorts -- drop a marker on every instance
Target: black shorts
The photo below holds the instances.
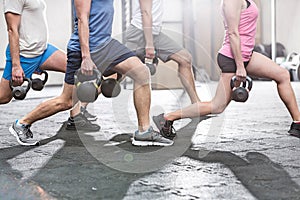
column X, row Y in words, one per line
column 227, row 65
column 105, row 58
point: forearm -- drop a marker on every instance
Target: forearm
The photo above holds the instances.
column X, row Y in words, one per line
column 235, row 44
column 147, row 27
column 13, row 37
column 83, row 31
column 146, row 12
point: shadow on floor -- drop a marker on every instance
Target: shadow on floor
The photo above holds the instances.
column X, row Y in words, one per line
column 76, row 171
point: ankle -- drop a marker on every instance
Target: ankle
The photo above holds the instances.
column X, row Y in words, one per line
column 143, row 129
column 21, row 122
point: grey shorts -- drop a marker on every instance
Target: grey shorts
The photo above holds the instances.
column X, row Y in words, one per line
column 164, row 45
column 105, row 57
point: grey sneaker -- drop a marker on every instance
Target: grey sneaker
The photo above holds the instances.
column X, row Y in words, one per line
column 295, row 130
column 81, row 123
column 165, row 126
column 150, row 138
column 88, row 115
column 23, row 134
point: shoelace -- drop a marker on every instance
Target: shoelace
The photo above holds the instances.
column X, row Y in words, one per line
column 27, row 131
column 168, row 129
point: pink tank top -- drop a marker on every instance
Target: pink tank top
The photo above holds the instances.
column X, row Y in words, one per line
column 247, row 30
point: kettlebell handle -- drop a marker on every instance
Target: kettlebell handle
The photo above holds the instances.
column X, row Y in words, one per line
column 46, row 76
column 95, row 71
column 248, row 80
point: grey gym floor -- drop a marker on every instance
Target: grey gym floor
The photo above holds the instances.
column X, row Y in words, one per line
column 244, row 153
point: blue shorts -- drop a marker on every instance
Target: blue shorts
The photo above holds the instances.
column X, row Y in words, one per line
column 29, row 65
column 105, row 58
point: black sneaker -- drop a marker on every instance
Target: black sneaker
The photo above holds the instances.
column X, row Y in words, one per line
column 150, row 138
column 88, row 115
column 295, row 130
column 23, row 134
column 165, row 126
column 81, row 123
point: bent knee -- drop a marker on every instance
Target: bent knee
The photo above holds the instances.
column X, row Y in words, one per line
column 184, row 58
column 218, row 109
column 141, row 75
column 283, row 76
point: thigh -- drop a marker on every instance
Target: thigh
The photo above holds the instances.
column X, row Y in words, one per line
column 54, row 59
column 181, row 56
column 132, row 67
column 5, row 91
column 108, row 56
column 263, row 67
column 165, row 46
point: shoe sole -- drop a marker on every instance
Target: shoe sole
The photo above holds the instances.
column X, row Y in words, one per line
column 92, row 119
column 12, row 131
column 149, row 143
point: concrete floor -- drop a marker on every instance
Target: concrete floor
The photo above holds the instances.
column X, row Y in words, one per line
column 244, row 153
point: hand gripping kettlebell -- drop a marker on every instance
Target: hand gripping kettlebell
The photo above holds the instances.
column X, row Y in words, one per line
column 111, row 87
column 37, row 83
column 241, row 93
column 150, row 63
column 19, row 92
column 87, row 86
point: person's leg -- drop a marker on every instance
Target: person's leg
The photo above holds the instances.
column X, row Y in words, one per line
column 184, row 60
column 21, row 128
column 51, row 106
column 215, row 106
column 145, row 135
column 5, row 91
column 56, row 60
column 261, row 66
column 142, row 93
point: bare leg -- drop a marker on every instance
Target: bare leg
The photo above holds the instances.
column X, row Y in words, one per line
column 5, row 91
column 262, row 66
column 184, row 60
column 51, row 107
column 58, row 62
column 142, row 92
column 215, row 106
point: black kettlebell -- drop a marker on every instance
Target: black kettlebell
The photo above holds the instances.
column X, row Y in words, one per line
column 150, row 63
column 37, row 83
column 19, row 92
column 241, row 93
column 87, row 86
column 110, row 87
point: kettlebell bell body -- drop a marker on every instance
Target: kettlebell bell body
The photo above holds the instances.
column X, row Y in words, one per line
column 87, row 86
column 241, row 93
column 151, row 64
column 37, row 83
column 19, row 92
column 110, row 88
